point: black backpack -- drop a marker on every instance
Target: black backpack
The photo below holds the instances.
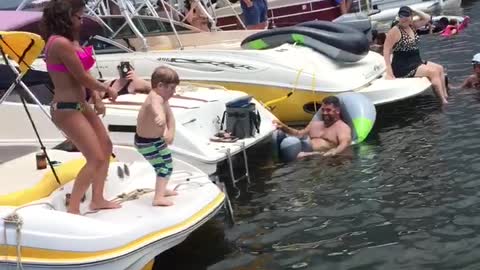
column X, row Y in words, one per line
column 242, row 118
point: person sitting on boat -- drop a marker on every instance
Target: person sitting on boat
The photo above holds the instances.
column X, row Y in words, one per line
column 255, row 13
column 166, row 13
column 329, row 135
column 345, row 6
column 378, row 39
column 128, row 82
column 196, row 16
column 402, row 40
column 156, row 129
column 68, row 65
column 472, row 81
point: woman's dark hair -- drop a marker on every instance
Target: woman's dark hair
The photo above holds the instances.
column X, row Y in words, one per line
column 57, row 17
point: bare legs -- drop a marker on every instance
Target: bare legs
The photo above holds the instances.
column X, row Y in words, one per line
column 79, row 130
column 98, row 183
column 161, row 192
column 436, row 75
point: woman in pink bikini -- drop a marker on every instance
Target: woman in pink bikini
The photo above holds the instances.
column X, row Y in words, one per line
column 68, row 64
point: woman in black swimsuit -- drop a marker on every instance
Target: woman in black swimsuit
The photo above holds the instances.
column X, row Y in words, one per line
column 402, row 41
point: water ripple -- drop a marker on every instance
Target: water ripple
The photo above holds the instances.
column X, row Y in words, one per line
column 408, row 198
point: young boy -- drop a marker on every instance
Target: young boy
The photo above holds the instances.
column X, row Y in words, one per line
column 156, row 129
column 473, row 81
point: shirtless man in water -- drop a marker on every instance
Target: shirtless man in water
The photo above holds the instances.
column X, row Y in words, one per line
column 327, row 132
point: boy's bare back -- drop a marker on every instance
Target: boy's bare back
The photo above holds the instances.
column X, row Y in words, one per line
column 152, row 117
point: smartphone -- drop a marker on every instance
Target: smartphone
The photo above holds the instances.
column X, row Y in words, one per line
column 124, row 69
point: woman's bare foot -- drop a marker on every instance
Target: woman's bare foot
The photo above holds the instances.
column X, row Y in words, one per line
column 104, row 205
column 162, row 201
column 169, row 192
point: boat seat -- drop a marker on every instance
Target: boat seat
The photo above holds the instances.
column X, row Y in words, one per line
column 26, row 184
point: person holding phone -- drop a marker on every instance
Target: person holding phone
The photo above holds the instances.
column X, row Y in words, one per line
column 128, row 81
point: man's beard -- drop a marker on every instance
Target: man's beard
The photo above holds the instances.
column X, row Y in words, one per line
column 328, row 120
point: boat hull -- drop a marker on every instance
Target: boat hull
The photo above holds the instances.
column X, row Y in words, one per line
column 138, row 260
column 125, row 238
column 294, row 108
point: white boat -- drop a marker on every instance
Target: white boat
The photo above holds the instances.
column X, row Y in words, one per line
column 198, row 110
column 288, row 79
column 40, row 234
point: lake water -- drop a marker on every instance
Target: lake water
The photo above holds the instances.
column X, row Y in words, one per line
column 407, row 199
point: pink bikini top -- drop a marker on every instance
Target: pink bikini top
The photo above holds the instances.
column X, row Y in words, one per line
column 85, row 56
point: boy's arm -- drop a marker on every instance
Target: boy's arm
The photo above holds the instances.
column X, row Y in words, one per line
column 170, row 130
column 158, row 107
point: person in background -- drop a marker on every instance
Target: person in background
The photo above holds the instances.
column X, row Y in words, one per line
column 402, row 41
column 473, row 80
column 162, row 13
column 255, row 13
column 196, row 16
column 345, row 6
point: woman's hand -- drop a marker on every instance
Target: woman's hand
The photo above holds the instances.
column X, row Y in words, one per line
column 112, row 94
column 389, row 76
column 131, row 76
column 99, row 108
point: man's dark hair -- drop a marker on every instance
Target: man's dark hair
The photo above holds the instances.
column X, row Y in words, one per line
column 332, row 100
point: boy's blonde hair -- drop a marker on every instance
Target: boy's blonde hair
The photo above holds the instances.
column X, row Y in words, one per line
column 164, row 74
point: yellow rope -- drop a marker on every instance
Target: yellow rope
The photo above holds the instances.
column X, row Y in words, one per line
column 314, row 82
column 268, row 103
